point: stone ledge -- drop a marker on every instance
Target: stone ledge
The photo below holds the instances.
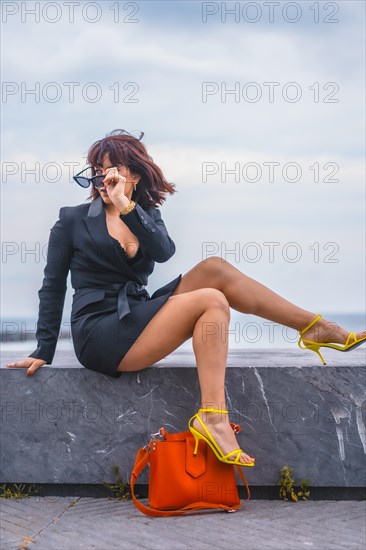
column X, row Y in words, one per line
column 70, row 425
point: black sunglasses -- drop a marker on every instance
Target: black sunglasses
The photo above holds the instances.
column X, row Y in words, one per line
column 84, row 181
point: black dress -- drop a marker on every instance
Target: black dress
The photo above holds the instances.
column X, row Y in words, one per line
column 111, row 306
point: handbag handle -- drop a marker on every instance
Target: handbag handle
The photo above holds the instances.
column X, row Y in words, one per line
column 142, row 460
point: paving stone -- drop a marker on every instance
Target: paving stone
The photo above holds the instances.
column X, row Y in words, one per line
column 104, row 524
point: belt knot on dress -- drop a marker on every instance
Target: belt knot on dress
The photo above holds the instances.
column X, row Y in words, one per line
column 128, row 288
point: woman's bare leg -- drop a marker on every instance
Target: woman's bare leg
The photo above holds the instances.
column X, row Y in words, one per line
column 247, row 295
column 203, row 314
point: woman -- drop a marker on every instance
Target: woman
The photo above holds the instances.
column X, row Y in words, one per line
column 110, row 246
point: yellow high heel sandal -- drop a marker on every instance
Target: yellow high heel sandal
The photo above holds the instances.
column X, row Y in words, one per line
column 314, row 346
column 211, row 441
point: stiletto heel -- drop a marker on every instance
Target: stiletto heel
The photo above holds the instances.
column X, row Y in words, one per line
column 211, row 441
column 314, row 346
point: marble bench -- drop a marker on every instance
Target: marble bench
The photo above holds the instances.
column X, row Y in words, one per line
column 70, row 425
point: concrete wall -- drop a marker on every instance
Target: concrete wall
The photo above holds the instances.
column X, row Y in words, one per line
column 70, row 425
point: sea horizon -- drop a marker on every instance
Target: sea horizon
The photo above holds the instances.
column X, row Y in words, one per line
column 245, row 331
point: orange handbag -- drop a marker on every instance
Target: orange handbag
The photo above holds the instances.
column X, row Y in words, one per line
column 180, row 481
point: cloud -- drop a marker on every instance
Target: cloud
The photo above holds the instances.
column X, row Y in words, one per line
column 170, row 53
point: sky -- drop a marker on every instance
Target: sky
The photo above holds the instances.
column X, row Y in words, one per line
column 257, row 116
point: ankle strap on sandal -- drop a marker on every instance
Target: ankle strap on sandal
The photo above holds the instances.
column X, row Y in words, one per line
column 311, row 324
column 211, row 410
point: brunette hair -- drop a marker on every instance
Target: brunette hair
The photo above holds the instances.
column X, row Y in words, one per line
column 127, row 150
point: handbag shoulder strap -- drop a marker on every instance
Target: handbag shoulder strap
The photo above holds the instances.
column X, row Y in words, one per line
column 142, row 460
column 239, row 468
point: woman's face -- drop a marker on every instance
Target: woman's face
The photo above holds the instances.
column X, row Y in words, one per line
column 131, row 179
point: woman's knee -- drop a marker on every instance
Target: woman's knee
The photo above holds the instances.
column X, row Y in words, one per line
column 214, row 270
column 214, row 298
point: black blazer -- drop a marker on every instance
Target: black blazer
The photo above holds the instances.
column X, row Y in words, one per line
column 80, row 243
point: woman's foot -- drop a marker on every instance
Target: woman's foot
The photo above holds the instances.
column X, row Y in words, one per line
column 219, row 427
column 327, row 331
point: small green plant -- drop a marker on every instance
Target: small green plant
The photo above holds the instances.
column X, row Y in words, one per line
column 286, row 483
column 15, row 490
column 120, row 489
column 304, row 492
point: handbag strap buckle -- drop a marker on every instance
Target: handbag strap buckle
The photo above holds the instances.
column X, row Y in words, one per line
column 161, row 433
column 236, row 427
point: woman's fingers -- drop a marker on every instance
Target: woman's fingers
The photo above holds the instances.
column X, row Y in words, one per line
column 113, row 176
column 30, row 363
column 114, row 184
column 24, row 363
column 35, row 366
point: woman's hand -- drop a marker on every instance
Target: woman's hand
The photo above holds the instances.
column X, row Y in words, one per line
column 29, row 363
column 114, row 183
